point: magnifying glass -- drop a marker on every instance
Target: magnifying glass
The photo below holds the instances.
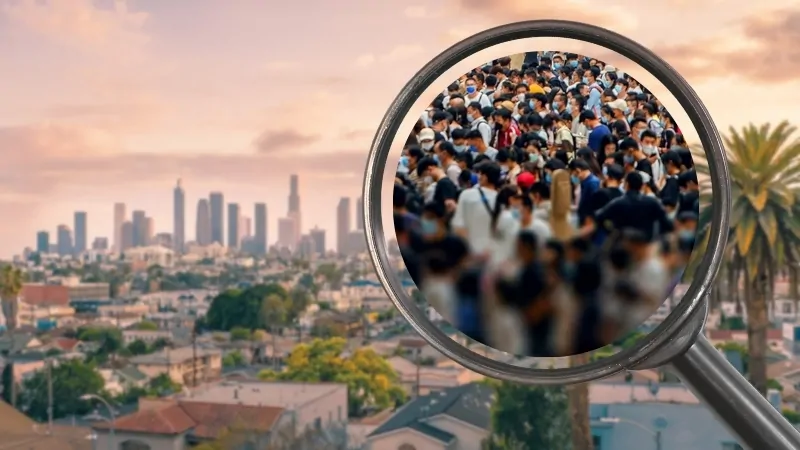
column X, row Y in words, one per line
column 619, row 250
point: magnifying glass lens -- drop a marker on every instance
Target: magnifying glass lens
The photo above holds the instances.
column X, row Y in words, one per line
column 546, row 204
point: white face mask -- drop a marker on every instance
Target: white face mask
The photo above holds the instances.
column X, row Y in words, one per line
column 427, row 146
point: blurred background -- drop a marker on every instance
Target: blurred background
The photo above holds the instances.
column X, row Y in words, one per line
column 236, row 308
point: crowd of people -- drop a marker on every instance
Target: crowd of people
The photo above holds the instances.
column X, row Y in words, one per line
column 548, row 209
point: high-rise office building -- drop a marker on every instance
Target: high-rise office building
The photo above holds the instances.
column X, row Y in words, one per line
column 80, row 232
column 217, row 202
column 359, row 214
column 128, row 236
column 179, row 218
column 43, row 242
column 317, row 236
column 245, row 228
column 343, row 226
column 233, row 225
column 149, row 230
column 100, row 244
column 64, row 240
column 286, row 236
column 294, row 205
column 260, row 233
column 139, row 219
column 203, row 225
column 119, row 219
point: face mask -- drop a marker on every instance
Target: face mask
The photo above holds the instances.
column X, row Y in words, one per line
column 470, row 119
column 585, row 80
column 686, row 234
column 533, row 157
column 521, row 97
column 627, row 159
column 542, row 134
column 547, row 178
column 617, row 89
column 436, row 158
column 427, row 146
column 575, row 179
column 649, row 149
column 605, row 171
column 556, row 105
column 473, row 149
column 471, row 89
column 429, row 227
column 428, row 180
column 532, row 104
column 557, row 66
column 516, row 117
column 460, row 148
column 573, row 63
column 569, row 109
column 515, row 213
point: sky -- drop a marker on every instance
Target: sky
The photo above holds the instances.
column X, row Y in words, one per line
column 112, row 101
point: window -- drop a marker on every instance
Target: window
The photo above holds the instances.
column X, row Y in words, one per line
column 731, row 446
column 133, row 444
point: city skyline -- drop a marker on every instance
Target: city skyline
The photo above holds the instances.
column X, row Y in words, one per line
column 107, row 102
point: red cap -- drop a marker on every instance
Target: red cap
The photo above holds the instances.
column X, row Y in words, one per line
column 525, row 180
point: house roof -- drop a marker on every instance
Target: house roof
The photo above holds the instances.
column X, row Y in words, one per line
column 19, row 432
column 65, row 344
column 206, row 420
column 132, row 373
column 469, row 403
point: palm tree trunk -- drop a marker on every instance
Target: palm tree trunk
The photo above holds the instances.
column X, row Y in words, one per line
column 757, row 325
column 578, row 396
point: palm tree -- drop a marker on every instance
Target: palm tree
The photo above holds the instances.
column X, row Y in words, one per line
column 11, row 279
column 765, row 233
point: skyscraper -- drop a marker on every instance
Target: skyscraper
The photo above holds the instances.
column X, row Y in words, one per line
column 294, row 206
column 127, row 236
column 139, row 228
column 149, row 231
column 43, row 242
column 342, row 226
column 233, row 225
column 286, row 236
column 260, row 233
column 245, row 228
column 317, row 236
column 360, row 213
column 80, row 232
column 179, row 218
column 119, row 219
column 203, row 225
column 64, row 240
column 217, row 201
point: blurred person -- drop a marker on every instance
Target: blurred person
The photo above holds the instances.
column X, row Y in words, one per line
column 479, row 146
column 474, row 211
column 441, row 189
column 447, row 159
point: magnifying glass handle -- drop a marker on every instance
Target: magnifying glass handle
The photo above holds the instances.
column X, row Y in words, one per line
column 747, row 414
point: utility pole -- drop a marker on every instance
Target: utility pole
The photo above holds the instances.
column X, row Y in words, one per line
column 194, row 357
column 13, row 386
column 416, row 387
column 49, row 363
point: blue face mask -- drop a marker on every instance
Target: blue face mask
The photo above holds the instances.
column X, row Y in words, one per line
column 616, row 90
column 575, row 179
column 585, row 80
column 470, row 119
column 557, row 66
column 515, row 213
column 460, row 148
column 569, row 109
column 532, row 104
column 471, row 89
column 436, row 158
column 473, row 149
column 547, row 178
column 628, row 159
column 605, row 171
column 573, row 63
column 429, row 227
column 686, row 234
column 533, row 157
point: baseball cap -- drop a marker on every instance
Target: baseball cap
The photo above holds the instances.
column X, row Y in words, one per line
column 619, row 104
column 525, row 180
column 426, row 134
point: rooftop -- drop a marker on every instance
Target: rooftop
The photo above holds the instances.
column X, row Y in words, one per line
column 174, row 355
column 281, row 394
column 616, row 392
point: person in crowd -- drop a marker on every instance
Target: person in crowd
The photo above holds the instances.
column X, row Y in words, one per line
column 481, row 196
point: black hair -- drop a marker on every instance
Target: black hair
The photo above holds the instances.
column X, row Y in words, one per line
column 503, row 199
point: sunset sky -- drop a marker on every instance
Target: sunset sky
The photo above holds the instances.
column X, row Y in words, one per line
column 112, row 101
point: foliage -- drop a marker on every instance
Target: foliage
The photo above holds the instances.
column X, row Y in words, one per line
column 328, row 330
column 240, row 334
column 71, row 379
column 234, row 359
column 108, row 339
column 630, row 339
column 147, row 325
column 737, row 348
column 764, row 238
column 138, row 347
column 792, row 416
column 371, row 381
column 241, row 308
column 163, row 385
column 774, row 384
column 11, row 279
column 735, row 323
column 529, row 417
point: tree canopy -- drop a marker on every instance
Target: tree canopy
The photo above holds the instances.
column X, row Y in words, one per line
column 71, row 379
column 259, row 306
column 371, row 381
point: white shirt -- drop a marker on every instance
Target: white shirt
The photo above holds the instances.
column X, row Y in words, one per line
column 505, row 240
column 540, row 229
column 474, row 217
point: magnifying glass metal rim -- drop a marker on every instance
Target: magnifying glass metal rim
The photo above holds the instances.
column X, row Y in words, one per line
column 710, row 138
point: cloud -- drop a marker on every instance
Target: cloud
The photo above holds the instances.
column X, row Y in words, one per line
column 82, row 25
column 419, row 12
column 762, row 48
column 273, row 141
column 399, row 53
column 357, row 135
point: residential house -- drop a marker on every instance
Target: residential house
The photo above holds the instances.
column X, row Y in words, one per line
column 349, row 323
column 775, row 337
column 453, row 419
column 19, row 432
column 146, row 336
column 70, row 345
column 314, row 405
column 164, row 424
column 427, row 379
column 12, row 343
column 183, row 365
column 118, row 381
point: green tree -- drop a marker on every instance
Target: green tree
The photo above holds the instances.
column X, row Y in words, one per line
column 234, row 359
column 11, row 279
column 147, row 325
column 108, row 339
column 240, row 334
column 765, row 230
column 138, row 347
column 241, row 308
column 6, row 378
column 371, row 381
column 71, row 379
column 529, row 418
column 163, row 385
